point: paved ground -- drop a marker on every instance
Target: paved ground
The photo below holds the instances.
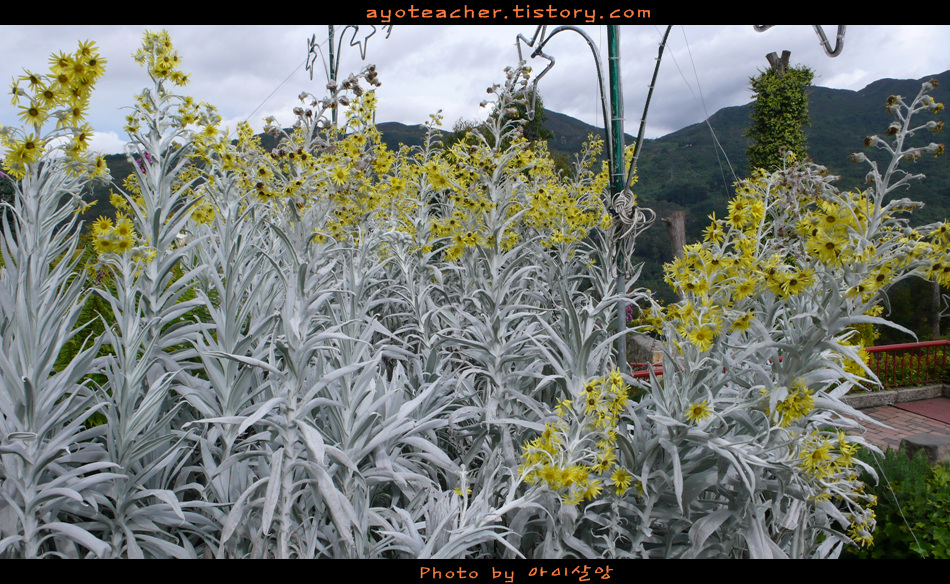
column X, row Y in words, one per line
column 929, row 416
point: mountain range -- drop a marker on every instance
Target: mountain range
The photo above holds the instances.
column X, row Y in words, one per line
column 695, row 168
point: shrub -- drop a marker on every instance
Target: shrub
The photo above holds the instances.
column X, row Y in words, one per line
column 329, row 349
column 913, row 507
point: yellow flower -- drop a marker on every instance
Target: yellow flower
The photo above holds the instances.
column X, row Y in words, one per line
column 95, row 66
column 743, row 322
column 816, row 459
column 103, row 243
column 591, row 396
column 861, row 534
column 798, row 403
column 551, row 475
column 703, row 336
column 745, row 288
column 576, row 474
column 102, row 225
column 846, row 450
column 29, row 150
column 123, row 227
column 832, row 216
column 118, row 201
column 621, row 480
column 122, row 245
column 714, row 233
column 795, row 282
column 339, row 174
column 34, row 114
column 592, row 490
column 697, row 412
column 561, row 407
column 439, row 181
column 827, row 246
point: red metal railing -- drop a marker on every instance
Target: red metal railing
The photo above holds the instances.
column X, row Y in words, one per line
column 643, row 369
column 895, row 365
column 909, row 363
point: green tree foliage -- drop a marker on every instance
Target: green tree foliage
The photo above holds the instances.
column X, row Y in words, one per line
column 779, row 113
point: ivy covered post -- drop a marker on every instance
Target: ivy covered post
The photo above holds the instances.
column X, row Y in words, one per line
column 779, row 114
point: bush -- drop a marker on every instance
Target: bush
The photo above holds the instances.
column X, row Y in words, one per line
column 329, row 349
column 913, row 507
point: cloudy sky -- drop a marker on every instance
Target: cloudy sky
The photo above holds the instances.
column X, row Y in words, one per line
column 250, row 72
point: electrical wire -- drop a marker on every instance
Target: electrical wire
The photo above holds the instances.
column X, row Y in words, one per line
column 248, row 116
column 706, row 115
column 702, row 105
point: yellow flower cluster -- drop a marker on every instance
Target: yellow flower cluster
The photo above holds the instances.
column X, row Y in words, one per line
column 796, row 405
column 447, row 199
column 779, row 241
column 158, row 55
column 347, row 171
column 698, row 321
column 561, row 211
column 117, row 238
column 576, row 456
column 203, row 213
column 824, row 459
column 829, row 464
column 565, row 211
column 62, row 94
column 160, row 58
column 861, row 531
column 860, row 336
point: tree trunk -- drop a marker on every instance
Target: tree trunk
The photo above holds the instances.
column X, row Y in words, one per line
column 779, row 66
column 676, row 227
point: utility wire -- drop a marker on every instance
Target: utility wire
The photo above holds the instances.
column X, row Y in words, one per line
column 292, row 73
column 706, row 114
column 702, row 105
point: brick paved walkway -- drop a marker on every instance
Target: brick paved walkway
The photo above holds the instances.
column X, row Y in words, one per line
column 903, row 423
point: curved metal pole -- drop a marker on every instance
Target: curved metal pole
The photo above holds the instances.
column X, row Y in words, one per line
column 839, row 38
column 643, row 120
column 597, row 62
column 613, row 128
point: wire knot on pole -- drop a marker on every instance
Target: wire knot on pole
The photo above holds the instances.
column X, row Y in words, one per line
column 633, row 218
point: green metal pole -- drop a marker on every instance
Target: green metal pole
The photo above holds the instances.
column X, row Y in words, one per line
column 332, row 67
column 617, row 177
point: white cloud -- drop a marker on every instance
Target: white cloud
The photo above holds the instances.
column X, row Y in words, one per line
column 427, row 68
column 107, row 143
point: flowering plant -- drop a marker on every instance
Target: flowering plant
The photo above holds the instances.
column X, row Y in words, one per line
column 333, row 349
